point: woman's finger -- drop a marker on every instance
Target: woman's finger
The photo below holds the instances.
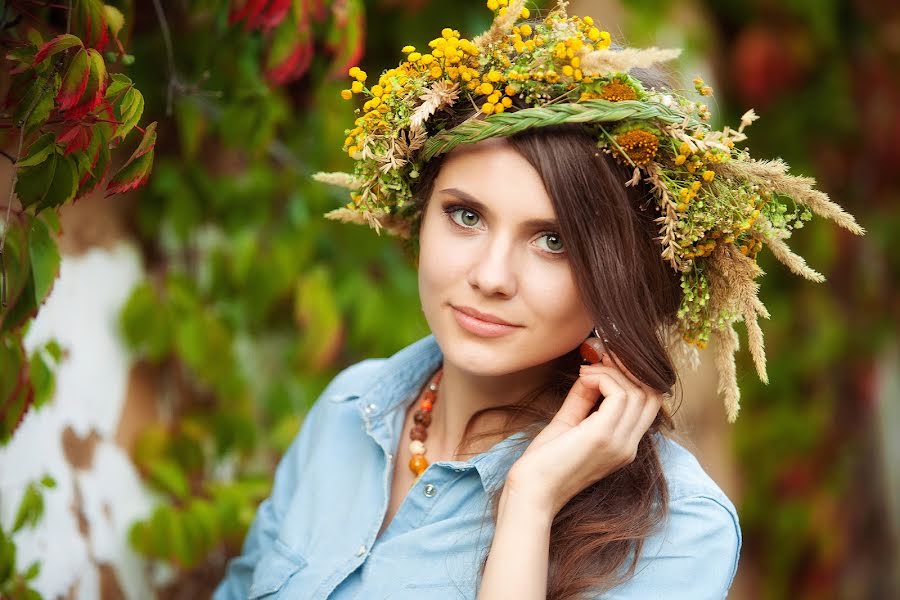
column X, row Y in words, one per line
column 578, row 403
column 605, row 419
column 614, row 361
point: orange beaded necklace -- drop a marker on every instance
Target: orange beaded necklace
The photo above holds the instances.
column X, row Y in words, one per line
column 422, row 419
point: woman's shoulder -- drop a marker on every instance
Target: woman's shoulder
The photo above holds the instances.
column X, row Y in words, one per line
column 700, row 541
column 685, row 476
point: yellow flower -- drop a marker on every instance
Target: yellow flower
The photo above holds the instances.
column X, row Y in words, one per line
column 426, row 59
column 493, row 4
column 708, row 176
column 525, row 29
column 525, row 13
column 616, row 91
column 485, row 88
column 408, row 49
column 509, row 90
column 346, row 94
column 487, row 108
column 413, row 56
column 377, row 90
column 356, row 87
column 353, row 72
column 588, row 20
column 498, row 108
column 568, row 71
column 361, row 75
column 446, row 33
column 684, row 148
column 695, row 186
column 507, row 102
column 639, row 145
column 576, row 61
column 435, row 71
column 679, row 160
column 593, row 34
column 494, row 76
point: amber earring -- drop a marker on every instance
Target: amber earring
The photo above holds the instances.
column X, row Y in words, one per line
column 593, row 348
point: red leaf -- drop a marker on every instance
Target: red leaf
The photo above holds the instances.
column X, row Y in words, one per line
column 346, row 37
column 249, row 11
column 57, row 44
column 75, row 81
column 136, row 171
column 88, row 17
column 95, row 90
column 74, row 139
column 317, row 9
column 273, row 15
column 293, row 67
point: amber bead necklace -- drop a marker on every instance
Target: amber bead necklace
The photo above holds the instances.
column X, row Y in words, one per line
column 421, row 420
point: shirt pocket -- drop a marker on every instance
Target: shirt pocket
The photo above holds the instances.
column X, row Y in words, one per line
column 275, row 567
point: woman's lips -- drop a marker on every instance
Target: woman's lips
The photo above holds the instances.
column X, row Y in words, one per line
column 481, row 328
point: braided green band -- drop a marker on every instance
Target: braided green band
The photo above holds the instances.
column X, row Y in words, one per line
column 506, row 124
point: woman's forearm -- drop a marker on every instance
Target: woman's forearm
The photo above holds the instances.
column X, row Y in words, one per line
column 518, row 559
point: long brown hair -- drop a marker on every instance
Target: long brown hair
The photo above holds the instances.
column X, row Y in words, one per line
column 632, row 296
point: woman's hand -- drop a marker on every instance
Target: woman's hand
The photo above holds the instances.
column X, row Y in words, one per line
column 577, row 448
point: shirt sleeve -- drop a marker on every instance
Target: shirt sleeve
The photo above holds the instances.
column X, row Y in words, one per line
column 694, row 557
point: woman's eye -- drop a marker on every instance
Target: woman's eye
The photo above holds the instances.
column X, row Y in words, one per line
column 552, row 243
column 464, row 216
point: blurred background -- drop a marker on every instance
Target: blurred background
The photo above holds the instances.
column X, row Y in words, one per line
column 165, row 330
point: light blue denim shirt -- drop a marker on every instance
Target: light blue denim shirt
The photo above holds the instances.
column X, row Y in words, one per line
column 315, row 536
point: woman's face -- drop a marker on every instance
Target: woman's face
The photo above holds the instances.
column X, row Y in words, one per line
column 489, row 245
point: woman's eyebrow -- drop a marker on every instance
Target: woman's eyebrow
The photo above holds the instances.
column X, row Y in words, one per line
column 480, row 207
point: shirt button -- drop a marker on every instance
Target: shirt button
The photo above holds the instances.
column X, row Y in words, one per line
column 361, row 551
column 429, row 490
column 390, row 457
column 371, row 408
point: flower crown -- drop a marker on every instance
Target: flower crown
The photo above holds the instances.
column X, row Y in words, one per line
column 717, row 207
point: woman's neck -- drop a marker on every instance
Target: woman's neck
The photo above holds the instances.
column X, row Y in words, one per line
column 463, row 393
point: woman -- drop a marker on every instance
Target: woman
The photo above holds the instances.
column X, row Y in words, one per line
column 485, row 460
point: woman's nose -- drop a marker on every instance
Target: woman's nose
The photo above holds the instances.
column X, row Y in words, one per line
column 494, row 268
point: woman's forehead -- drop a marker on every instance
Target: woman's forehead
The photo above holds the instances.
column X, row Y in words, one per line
column 495, row 175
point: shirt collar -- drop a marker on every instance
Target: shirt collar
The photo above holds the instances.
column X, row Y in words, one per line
column 393, row 384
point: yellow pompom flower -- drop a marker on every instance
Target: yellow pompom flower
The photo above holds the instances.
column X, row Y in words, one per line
column 485, row 88
column 593, row 34
column 413, row 56
column 525, row 13
column 356, row 87
column 487, row 108
column 408, row 49
column 377, row 90
column 435, row 71
column 361, row 76
column 346, row 94
column 639, row 145
column 568, row 71
column 498, row 108
column 684, row 148
column 353, row 72
column 507, row 102
column 708, row 176
column 525, row 29
column 493, row 4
